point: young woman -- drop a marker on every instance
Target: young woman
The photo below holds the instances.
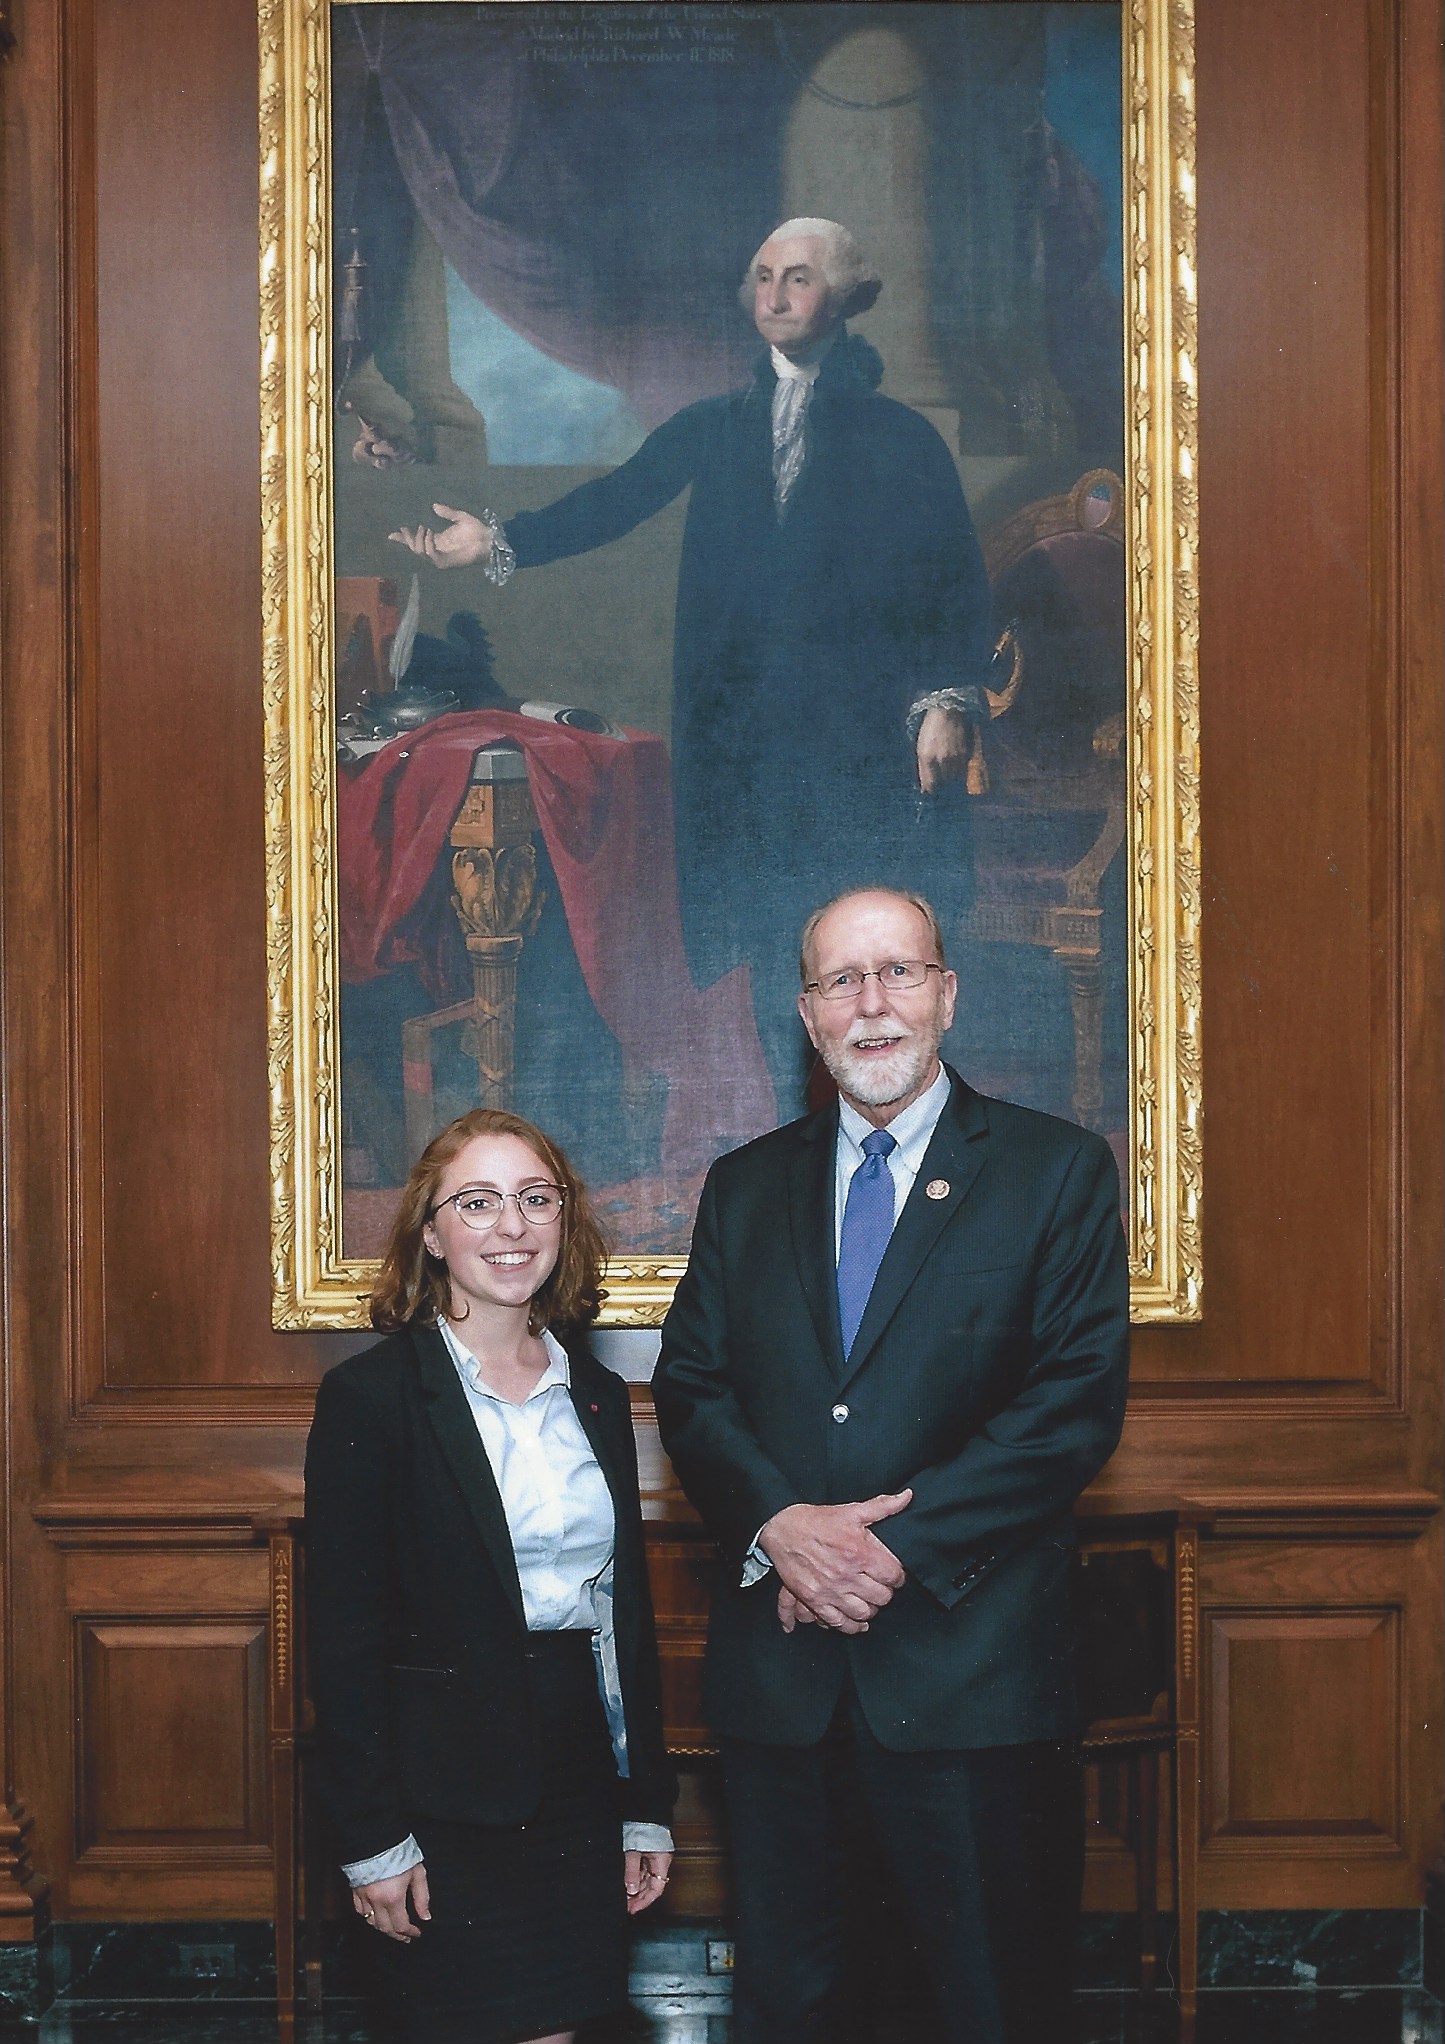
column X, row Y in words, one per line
column 483, row 1660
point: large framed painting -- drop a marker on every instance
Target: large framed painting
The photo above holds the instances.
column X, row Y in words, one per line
column 713, row 456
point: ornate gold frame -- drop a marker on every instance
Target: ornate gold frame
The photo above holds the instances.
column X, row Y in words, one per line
column 313, row 1285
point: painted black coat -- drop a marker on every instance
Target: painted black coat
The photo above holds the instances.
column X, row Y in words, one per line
column 800, row 641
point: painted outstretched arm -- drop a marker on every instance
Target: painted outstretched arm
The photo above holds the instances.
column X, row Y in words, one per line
column 593, row 514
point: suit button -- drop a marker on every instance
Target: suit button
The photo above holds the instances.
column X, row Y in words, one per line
column 840, row 1413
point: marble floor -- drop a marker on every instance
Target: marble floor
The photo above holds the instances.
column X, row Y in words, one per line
column 1226, row 2016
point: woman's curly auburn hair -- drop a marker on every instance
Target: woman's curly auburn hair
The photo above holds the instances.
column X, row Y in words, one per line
column 412, row 1284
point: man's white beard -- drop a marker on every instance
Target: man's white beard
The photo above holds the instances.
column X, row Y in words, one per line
column 879, row 1081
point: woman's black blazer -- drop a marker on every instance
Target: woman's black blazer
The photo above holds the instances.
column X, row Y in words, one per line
column 416, row 1635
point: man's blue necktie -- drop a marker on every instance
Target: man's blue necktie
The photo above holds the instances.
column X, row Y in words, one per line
column 867, row 1225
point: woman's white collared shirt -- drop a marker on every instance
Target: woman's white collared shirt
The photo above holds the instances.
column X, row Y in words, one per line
column 558, row 1506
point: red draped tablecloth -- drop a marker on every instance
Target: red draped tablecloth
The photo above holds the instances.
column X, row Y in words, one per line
column 605, row 809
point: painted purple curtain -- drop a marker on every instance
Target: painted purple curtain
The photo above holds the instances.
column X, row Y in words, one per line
column 565, row 184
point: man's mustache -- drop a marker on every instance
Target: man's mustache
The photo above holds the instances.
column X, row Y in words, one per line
column 857, row 1035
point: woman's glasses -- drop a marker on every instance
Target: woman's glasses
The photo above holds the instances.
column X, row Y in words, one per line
column 480, row 1207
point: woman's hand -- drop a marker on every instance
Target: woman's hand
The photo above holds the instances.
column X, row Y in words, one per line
column 644, row 1876
column 382, row 1904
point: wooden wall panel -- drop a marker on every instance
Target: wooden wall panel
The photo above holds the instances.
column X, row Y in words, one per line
column 176, row 1168
column 1289, row 430
column 173, row 716
column 1321, row 1680
column 1305, row 1723
column 171, row 1727
column 166, row 1660
column 149, row 1406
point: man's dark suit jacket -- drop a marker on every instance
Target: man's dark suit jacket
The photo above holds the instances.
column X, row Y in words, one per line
column 989, row 1372
column 416, row 1629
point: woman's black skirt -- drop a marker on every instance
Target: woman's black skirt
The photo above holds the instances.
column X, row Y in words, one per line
column 528, row 1930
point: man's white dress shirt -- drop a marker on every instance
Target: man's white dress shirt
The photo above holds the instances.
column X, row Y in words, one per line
column 912, row 1132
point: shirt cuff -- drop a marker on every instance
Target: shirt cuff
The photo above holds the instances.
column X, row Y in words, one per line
column 638, row 1837
column 964, row 702
column 384, row 1866
column 501, row 563
column 755, row 1565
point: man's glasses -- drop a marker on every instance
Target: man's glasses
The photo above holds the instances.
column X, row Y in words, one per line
column 481, row 1208
column 896, row 978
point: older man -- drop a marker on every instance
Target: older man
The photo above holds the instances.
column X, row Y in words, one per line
column 898, row 1355
column 832, row 624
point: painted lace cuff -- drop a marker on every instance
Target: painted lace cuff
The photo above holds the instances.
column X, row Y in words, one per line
column 501, row 563
column 964, row 702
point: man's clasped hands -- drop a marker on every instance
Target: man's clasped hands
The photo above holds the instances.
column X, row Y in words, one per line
column 833, row 1569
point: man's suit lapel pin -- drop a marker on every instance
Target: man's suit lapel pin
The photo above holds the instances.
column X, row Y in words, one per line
column 938, row 1188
